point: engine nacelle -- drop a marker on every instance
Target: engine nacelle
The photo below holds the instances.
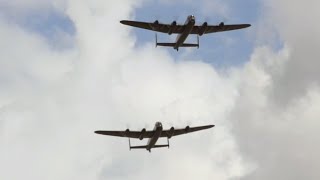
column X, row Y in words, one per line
column 171, row 132
column 172, row 27
column 143, row 131
column 221, row 24
column 203, row 28
column 155, row 24
column 127, row 132
column 187, row 129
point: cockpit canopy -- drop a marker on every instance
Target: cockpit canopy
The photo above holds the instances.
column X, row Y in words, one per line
column 158, row 124
column 191, row 17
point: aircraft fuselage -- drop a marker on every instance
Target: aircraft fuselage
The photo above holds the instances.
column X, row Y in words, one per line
column 152, row 141
column 183, row 36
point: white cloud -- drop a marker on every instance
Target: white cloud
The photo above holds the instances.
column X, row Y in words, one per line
column 208, row 8
column 56, row 99
column 51, row 101
column 277, row 124
column 300, row 32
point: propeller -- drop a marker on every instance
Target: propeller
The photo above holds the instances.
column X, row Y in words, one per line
column 170, row 124
column 187, row 128
column 128, row 126
column 216, row 21
column 156, row 22
column 142, row 133
column 176, row 18
column 206, row 19
column 189, row 123
column 171, row 132
column 157, row 18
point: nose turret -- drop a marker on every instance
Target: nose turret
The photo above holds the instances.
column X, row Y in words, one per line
column 158, row 124
column 191, row 18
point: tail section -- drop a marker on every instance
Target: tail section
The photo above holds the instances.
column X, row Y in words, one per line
column 173, row 44
column 160, row 146
column 189, row 45
column 138, row 147
column 166, row 44
column 145, row 147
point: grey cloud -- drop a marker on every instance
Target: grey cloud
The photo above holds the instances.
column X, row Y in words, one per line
column 275, row 117
column 104, row 82
column 265, row 127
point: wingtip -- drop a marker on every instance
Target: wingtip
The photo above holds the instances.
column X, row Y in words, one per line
column 125, row 22
column 210, row 126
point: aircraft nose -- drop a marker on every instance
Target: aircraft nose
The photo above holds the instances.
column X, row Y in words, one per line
column 192, row 18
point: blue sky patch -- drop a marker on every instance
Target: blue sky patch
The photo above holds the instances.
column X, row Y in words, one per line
column 52, row 25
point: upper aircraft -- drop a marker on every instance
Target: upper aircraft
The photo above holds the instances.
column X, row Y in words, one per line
column 189, row 27
column 153, row 135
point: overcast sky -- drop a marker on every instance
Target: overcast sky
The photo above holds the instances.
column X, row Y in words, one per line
column 68, row 68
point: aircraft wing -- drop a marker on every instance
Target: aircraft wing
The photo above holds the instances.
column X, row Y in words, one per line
column 127, row 133
column 217, row 28
column 155, row 26
column 175, row 132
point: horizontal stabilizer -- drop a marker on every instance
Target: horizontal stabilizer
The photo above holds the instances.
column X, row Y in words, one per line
column 166, row 44
column 160, row 146
column 138, row 147
column 145, row 147
column 182, row 45
column 189, row 45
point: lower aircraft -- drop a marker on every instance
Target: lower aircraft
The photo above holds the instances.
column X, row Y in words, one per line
column 153, row 135
column 183, row 30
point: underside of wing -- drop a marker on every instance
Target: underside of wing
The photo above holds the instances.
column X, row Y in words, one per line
column 156, row 26
column 129, row 134
column 175, row 132
column 206, row 29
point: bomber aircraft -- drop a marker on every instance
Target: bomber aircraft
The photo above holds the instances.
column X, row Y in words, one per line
column 184, row 30
column 153, row 135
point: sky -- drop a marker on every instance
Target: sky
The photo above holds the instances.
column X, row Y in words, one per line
column 68, row 68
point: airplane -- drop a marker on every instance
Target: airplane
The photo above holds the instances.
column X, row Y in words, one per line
column 184, row 31
column 153, row 135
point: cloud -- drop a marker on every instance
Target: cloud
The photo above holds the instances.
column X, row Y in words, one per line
column 276, row 121
column 299, row 32
column 51, row 101
column 282, row 140
column 207, row 7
